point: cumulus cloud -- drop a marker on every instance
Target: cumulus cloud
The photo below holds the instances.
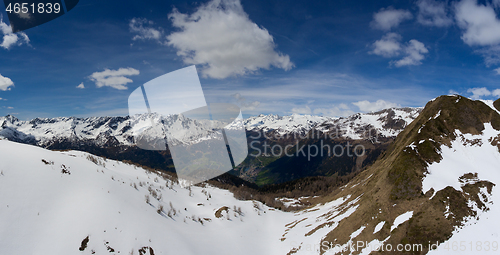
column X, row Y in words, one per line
column 414, row 51
column 479, row 23
column 144, row 30
column 220, row 36
column 478, row 93
column 10, row 39
column 113, row 78
column 388, row 46
column 5, row 83
column 244, row 104
column 334, row 111
column 496, row 93
column 388, row 18
column 367, row 106
column 433, row 13
column 81, row 86
column 480, row 27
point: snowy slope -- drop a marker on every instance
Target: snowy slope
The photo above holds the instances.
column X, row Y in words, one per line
column 470, row 154
column 50, row 202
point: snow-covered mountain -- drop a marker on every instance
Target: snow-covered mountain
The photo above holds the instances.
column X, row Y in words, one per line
column 120, row 130
column 75, row 203
column 386, row 123
column 284, row 125
column 434, row 191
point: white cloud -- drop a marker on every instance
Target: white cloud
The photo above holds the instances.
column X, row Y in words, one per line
column 334, row 111
column 491, row 54
column 496, row 93
column 388, row 46
column 113, row 78
column 5, row 83
column 477, row 93
column 479, row 22
column 452, row 92
column 497, row 70
column 244, row 105
column 385, row 19
column 302, row 110
column 220, row 36
column 10, row 39
column 81, row 86
column 481, row 27
column 143, row 31
column 414, row 54
column 433, row 13
column 26, row 15
column 331, row 111
column 367, row 106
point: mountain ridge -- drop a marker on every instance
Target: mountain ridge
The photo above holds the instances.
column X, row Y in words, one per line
column 392, row 186
column 113, row 137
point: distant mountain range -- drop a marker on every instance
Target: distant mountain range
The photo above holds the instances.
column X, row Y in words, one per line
column 113, row 137
column 433, row 189
column 47, row 131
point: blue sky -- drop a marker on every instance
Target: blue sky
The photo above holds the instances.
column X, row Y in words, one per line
column 329, row 58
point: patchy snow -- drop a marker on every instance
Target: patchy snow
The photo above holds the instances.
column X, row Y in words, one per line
column 357, row 232
column 370, row 125
column 490, row 104
column 412, row 146
column 374, row 245
column 301, row 237
column 378, row 227
column 463, row 157
column 401, row 219
column 437, row 114
column 293, row 202
column 481, row 232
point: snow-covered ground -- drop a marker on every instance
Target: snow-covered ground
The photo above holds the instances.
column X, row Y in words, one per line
column 51, row 201
column 46, row 211
column 470, row 154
